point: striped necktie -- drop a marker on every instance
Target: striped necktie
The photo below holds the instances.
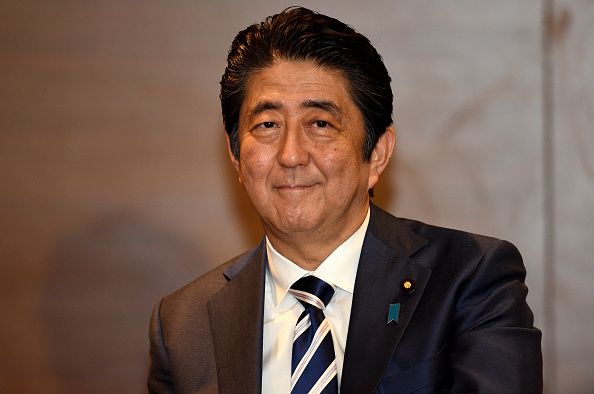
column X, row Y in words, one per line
column 313, row 365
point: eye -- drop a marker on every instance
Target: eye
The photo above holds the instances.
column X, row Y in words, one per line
column 321, row 123
column 267, row 125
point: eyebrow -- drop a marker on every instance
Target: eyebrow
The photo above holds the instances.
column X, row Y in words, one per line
column 262, row 107
column 324, row 105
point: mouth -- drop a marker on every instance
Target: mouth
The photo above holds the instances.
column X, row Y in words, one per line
column 294, row 188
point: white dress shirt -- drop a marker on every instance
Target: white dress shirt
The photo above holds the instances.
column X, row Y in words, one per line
column 281, row 309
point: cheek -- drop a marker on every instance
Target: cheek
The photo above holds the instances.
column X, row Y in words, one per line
column 344, row 170
column 340, row 166
column 254, row 164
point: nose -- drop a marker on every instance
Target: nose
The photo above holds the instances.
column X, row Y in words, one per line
column 294, row 149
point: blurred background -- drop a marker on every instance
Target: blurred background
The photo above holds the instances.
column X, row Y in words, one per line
column 116, row 187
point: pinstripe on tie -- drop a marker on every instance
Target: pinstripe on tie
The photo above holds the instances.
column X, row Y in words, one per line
column 313, row 365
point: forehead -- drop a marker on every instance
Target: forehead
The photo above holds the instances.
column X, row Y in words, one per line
column 293, row 82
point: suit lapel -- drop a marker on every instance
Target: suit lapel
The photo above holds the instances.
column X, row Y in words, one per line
column 384, row 265
column 236, row 314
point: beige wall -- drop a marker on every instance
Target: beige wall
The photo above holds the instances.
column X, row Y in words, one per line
column 115, row 186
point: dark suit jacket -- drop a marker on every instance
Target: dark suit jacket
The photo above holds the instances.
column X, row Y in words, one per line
column 466, row 327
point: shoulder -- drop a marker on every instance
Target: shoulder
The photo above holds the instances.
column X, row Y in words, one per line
column 462, row 244
column 388, row 227
column 195, row 295
column 441, row 247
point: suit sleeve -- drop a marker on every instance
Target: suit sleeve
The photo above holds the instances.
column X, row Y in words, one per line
column 159, row 376
column 496, row 348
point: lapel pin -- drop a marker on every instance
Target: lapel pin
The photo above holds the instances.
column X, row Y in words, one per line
column 407, row 286
column 393, row 313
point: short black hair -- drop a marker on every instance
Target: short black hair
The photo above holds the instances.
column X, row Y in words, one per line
column 300, row 34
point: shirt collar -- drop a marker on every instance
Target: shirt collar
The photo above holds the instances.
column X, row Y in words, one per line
column 339, row 269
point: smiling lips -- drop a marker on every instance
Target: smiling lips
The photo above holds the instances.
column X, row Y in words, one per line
column 295, row 188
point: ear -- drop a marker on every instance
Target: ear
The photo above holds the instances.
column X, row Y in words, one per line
column 234, row 160
column 380, row 157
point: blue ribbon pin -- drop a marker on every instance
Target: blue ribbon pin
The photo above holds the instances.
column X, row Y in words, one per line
column 393, row 313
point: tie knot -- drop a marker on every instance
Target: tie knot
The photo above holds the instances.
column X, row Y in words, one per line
column 312, row 291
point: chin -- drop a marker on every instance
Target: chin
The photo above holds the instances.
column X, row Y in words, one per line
column 295, row 225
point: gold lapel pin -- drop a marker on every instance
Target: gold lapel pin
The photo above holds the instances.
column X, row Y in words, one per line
column 407, row 286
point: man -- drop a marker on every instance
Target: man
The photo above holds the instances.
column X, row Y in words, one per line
column 340, row 295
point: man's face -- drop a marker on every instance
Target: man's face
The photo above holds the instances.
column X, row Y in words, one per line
column 301, row 138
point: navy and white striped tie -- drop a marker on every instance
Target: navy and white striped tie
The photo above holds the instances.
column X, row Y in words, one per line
column 313, row 365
